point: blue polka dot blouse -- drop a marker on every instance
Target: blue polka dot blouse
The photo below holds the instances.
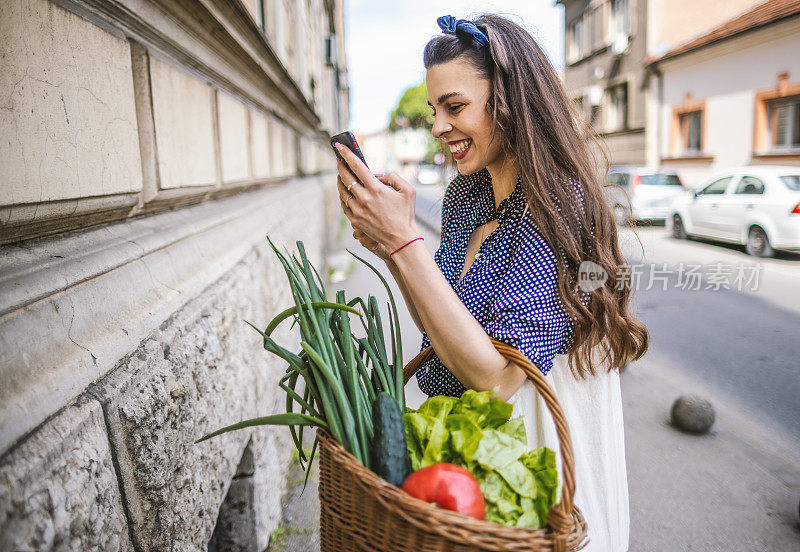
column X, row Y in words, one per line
column 510, row 288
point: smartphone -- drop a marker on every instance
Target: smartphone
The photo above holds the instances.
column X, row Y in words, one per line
column 348, row 140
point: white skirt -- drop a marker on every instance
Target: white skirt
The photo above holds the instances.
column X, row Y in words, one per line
column 593, row 409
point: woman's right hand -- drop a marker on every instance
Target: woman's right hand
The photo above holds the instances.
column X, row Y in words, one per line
column 372, row 245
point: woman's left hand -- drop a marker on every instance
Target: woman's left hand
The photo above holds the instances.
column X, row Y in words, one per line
column 384, row 213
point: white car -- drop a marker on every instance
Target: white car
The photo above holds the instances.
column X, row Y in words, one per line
column 428, row 175
column 758, row 207
column 641, row 193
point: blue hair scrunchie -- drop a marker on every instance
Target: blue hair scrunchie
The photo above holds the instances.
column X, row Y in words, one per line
column 463, row 27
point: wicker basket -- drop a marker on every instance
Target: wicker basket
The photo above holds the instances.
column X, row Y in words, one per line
column 359, row 511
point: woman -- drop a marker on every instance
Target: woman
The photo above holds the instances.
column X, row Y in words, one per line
column 526, row 209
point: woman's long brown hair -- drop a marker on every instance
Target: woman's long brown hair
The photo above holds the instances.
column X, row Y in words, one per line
column 556, row 151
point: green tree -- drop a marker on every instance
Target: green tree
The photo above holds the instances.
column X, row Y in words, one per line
column 412, row 110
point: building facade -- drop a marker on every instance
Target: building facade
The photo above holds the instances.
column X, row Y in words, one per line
column 399, row 151
column 607, row 43
column 730, row 97
column 148, row 147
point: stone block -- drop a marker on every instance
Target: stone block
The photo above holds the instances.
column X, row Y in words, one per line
column 68, row 118
column 306, row 155
column 186, row 368
column 233, row 141
column 277, row 148
column 184, row 125
column 259, row 143
column 290, row 150
column 270, row 480
column 58, row 488
column 327, row 162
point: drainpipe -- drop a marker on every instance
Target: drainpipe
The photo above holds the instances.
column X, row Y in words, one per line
column 659, row 128
column 660, row 131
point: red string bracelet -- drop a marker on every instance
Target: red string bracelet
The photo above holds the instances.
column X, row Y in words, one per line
column 402, row 246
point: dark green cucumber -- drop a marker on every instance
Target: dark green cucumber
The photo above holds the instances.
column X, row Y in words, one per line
column 389, row 451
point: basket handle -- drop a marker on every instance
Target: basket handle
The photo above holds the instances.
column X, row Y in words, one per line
column 560, row 516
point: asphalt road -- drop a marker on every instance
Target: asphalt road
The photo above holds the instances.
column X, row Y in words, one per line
column 739, row 346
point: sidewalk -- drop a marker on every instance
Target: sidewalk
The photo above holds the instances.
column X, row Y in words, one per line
column 717, row 492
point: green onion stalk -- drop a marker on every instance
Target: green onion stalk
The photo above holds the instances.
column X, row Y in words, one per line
column 341, row 374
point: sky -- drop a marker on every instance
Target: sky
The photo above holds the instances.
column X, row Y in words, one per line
column 385, row 42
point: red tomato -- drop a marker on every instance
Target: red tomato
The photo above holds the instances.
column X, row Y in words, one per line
column 451, row 487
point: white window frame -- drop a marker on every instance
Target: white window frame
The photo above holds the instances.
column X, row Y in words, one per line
column 792, row 106
column 576, row 46
column 696, row 116
column 619, row 18
column 617, row 117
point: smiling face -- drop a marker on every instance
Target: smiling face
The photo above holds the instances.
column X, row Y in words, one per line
column 458, row 95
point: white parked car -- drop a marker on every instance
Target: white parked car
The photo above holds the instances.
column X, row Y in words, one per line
column 758, row 207
column 641, row 193
column 428, row 175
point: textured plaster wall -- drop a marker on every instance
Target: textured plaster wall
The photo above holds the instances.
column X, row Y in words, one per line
column 110, row 111
column 184, row 125
column 67, row 116
column 259, row 137
column 277, row 157
column 678, row 21
column 233, row 136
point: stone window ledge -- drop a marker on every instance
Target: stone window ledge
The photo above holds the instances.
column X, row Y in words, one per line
column 690, row 158
column 787, row 156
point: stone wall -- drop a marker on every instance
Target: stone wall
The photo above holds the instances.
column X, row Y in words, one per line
column 149, row 148
column 117, row 468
